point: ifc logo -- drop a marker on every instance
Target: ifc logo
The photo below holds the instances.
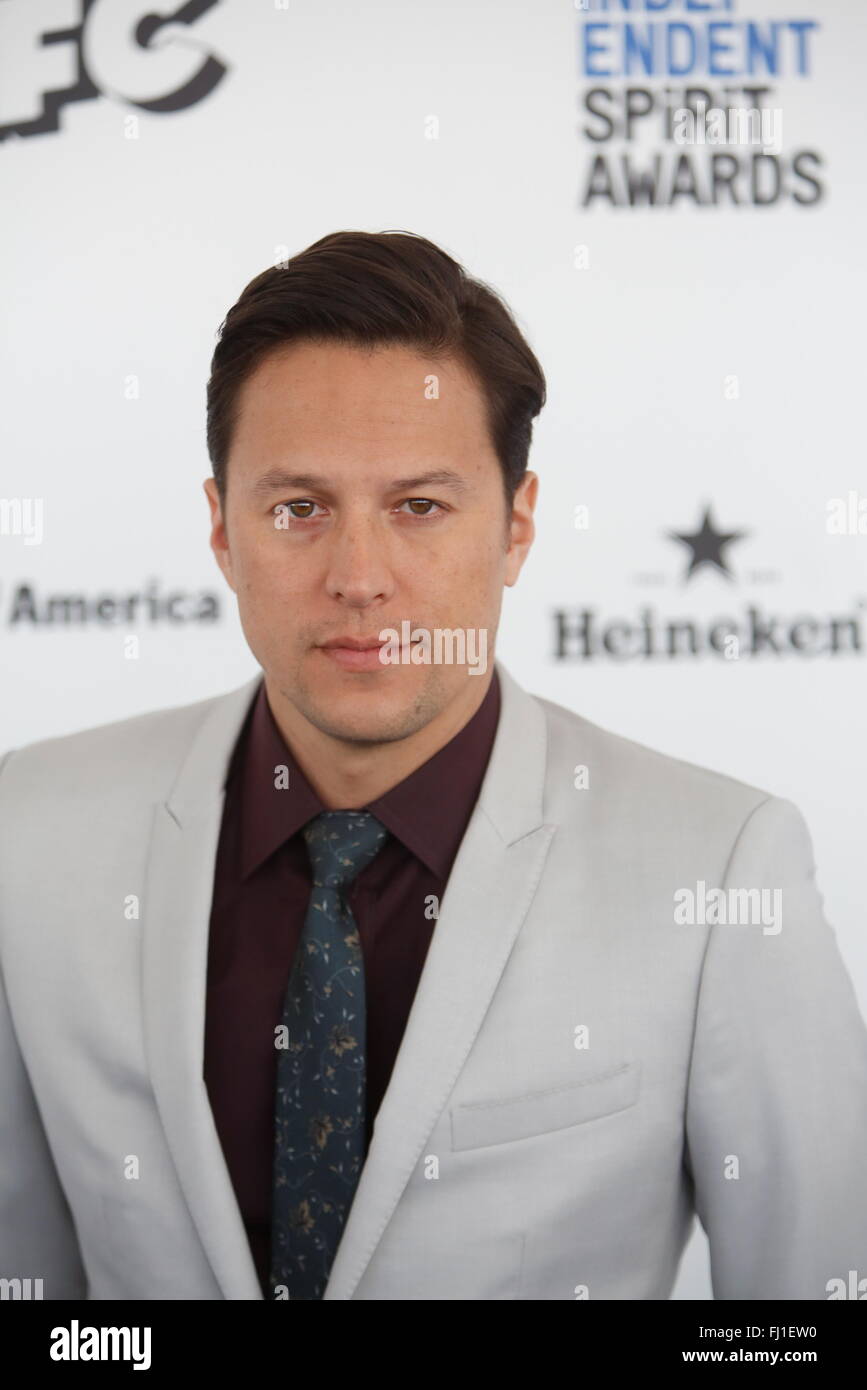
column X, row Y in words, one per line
column 60, row 51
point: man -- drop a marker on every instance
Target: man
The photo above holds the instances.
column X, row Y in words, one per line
column 381, row 978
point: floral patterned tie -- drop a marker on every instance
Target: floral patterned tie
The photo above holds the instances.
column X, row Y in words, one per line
column 320, row 1103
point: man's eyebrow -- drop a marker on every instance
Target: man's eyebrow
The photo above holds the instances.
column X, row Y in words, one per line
column 277, row 478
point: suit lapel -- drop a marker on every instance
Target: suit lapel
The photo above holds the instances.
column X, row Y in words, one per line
column 492, row 883
column 176, row 915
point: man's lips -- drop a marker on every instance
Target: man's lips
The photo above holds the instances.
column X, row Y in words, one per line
column 355, row 653
column 354, row 644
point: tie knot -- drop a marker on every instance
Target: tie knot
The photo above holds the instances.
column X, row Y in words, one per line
column 341, row 844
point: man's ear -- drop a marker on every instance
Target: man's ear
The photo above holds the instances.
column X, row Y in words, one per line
column 522, row 530
column 219, row 537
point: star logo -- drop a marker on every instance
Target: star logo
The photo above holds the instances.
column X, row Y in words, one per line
column 707, row 545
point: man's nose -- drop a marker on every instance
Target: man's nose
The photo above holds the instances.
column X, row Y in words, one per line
column 358, row 563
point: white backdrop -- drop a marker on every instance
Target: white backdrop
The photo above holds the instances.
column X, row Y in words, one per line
column 698, row 354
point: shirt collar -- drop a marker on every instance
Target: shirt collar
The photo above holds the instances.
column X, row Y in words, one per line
column 428, row 811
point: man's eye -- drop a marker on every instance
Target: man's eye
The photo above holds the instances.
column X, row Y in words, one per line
column 422, row 502
column 289, row 506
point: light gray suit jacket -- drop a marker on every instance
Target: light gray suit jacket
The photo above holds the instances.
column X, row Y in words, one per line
column 580, row 1072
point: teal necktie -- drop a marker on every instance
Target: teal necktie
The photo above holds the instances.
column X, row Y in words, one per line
column 320, row 1103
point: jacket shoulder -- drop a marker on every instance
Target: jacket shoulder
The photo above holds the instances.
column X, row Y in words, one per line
column 628, row 773
column 141, row 752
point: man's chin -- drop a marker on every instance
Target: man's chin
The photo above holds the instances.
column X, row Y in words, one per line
column 360, row 727
column 371, row 710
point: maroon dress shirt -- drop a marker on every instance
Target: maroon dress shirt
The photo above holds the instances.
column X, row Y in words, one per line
column 262, row 884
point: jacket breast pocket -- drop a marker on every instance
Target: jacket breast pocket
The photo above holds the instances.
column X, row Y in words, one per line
column 480, row 1123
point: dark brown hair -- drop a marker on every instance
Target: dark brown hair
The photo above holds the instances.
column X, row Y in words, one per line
column 369, row 289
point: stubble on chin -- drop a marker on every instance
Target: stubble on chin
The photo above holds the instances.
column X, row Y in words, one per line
column 367, row 719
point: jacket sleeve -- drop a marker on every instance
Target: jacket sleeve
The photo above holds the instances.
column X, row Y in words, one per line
column 37, row 1234
column 776, row 1114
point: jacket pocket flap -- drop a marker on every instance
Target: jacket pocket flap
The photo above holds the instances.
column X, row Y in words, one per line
column 500, row 1121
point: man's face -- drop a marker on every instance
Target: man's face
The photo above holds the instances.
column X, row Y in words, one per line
column 360, row 494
